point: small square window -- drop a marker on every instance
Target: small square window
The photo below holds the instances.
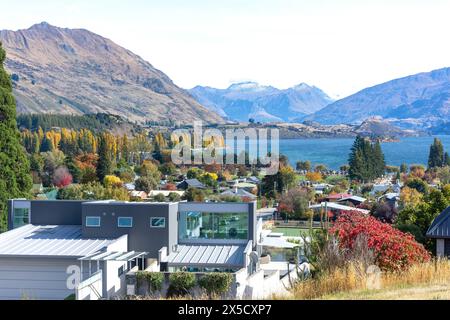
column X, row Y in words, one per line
column 157, row 222
column 92, row 221
column 125, row 222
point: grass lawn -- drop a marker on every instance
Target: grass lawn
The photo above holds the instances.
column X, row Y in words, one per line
column 421, row 292
column 291, row 232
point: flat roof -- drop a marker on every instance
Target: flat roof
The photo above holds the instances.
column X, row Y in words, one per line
column 49, row 241
column 277, row 242
column 212, row 256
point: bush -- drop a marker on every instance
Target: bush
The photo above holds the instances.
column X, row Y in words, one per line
column 154, row 280
column 180, row 284
column 174, row 197
column 111, row 181
column 216, row 283
column 159, row 198
column 393, row 249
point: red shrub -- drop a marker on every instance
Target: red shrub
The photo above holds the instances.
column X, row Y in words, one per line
column 393, row 249
column 170, row 187
column 62, row 177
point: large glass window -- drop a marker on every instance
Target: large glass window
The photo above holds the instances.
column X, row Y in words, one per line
column 92, row 221
column 207, row 225
column 125, row 222
column 21, row 217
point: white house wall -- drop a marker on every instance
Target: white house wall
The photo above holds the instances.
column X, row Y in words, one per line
column 440, row 247
column 34, row 278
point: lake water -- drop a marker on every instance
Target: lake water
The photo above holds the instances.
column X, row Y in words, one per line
column 334, row 152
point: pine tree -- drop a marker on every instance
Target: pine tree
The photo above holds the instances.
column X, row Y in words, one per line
column 403, row 168
column 366, row 160
column 436, row 156
column 379, row 162
column 355, row 161
column 15, row 178
column 446, row 159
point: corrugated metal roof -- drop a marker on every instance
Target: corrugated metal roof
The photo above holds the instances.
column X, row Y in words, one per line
column 207, row 256
column 58, row 241
column 440, row 228
column 337, row 206
column 356, row 198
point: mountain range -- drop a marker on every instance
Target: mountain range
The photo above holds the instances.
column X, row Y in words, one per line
column 74, row 71
column 250, row 100
column 416, row 101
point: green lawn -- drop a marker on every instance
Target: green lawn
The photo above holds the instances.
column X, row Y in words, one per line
column 291, row 232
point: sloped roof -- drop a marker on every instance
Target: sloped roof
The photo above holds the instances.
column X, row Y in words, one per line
column 191, row 183
column 213, row 256
column 336, row 206
column 355, row 198
column 49, row 241
column 239, row 193
column 440, row 228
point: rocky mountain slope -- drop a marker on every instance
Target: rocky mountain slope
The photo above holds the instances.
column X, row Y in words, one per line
column 417, row 101
column 242, row 101
column 74, row 71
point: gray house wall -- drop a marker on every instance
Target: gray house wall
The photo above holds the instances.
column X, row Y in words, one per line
column 141, row 237
column 56, row 212
column 50, row 212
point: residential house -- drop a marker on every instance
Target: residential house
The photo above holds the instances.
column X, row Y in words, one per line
column 138, row 195
column 335, row 208
column 190, row 183
column 165, row 193
column 391, row 198
column 253, row 180
column 104, row 243
column 241, row 193
column 440, row 230
column 355, row 200
column 337, row 196
column 130, row 186
column 319, row 188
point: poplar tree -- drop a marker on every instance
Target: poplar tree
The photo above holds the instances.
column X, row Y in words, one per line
column 15, row 178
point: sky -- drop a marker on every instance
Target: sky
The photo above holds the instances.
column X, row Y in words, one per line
column 340, row 46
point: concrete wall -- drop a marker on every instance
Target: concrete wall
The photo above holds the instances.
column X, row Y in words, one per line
column 141, row 237
column 91, row 288
column 113, row 283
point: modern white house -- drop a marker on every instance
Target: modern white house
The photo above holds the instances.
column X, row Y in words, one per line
column 91, row 249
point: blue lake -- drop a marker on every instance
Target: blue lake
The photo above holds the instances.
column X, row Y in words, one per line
column 334, row 152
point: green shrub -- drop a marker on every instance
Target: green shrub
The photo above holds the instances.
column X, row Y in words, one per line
column 216, row 283
column 154, row 280
column 180, row 284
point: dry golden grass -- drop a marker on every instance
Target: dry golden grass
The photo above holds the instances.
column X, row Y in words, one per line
column 353, row 282
column 422, row 292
